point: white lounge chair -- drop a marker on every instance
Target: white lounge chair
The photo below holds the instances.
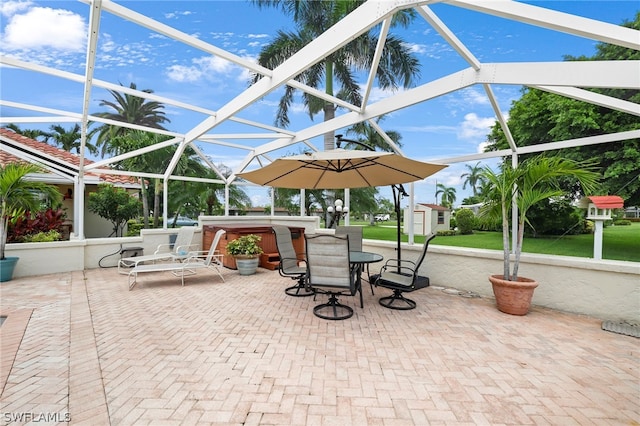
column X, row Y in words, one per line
column 211, row 259
column 164, row 252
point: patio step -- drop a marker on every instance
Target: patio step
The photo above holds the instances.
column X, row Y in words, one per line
column 270, row 260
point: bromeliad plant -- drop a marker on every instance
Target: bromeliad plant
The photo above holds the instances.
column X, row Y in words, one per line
column 19, row 195
column 534, row 180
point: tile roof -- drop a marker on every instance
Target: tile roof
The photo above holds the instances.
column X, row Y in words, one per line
column 57, row 153
column 434, row 206
column 607, row 201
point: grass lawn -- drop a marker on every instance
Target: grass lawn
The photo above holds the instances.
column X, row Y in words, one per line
column 619, row 242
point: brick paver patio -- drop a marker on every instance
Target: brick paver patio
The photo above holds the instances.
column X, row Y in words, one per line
column 81, row 347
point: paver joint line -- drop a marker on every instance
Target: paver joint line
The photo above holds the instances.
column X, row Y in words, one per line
column 242, row 351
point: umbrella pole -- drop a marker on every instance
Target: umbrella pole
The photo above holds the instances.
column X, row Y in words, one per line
column 398, row 192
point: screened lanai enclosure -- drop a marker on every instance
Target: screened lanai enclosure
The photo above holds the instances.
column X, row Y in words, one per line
column 241, row 125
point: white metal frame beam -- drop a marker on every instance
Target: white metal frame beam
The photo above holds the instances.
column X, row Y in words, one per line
column 569, row 79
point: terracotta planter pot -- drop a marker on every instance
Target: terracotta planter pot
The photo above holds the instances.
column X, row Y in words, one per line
column 513, row 297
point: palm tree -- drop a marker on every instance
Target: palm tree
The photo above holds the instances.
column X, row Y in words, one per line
column 473, row 177
column 367, row 134
column 18, row 195
column 152, row 162
column 211, row 194
column 448, row 195
column 30, row 133
column 534, row 180
column 312, row 18
column 69, row 139
column 129, row 109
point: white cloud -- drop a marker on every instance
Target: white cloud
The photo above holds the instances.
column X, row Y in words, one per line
column 107, row 44
column 482, row 146
column 112, row 54
column 378, row 94
column 474, row 97
column 183, row 73
column 431, row 50
column 463, row 99
column 43, row 27
column 172, row 15
column 158, row 36
column 211, row 68
column 214, row 64
column 430, row 129
column 9, row 8
column 474, row 127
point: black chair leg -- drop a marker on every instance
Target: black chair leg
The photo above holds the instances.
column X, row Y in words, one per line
column 404, row 304
column 334, row 309
column 299, row 290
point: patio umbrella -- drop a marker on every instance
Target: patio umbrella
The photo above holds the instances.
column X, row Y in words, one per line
column 341, row 168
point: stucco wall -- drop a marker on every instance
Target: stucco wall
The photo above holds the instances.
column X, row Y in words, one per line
column 604, row 289
column 609, row 290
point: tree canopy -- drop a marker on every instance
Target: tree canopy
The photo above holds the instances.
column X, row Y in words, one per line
column 541, row 117
column 398, row 66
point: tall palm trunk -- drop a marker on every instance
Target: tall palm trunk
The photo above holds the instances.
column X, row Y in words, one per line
column 505, row 241
column 329, row 114
column 145, row 203
column 156, row 203
column 4, row 223
column 518, row 249
column 329, row 108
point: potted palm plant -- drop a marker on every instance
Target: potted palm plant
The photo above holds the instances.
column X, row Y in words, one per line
column 245, row 250
column 522, row 187
column 18, row 195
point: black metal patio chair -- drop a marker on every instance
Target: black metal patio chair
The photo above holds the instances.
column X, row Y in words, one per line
column 402, row 276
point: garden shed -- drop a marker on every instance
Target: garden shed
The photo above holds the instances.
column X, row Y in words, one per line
column 428, row 218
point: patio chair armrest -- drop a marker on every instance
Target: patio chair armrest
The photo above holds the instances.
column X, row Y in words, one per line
column 400, row 262
column 188, row 248
column 299, row 262
column 163, row 248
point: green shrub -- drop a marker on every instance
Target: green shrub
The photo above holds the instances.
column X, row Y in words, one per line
column 622, row 222
column 452, row 222
column 134, row 227
column 589, row 227
column 42, row 237
column 447, row 233
column 466, row 221
column 555, row 217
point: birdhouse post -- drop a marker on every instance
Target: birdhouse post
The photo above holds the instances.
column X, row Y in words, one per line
column 598, row 210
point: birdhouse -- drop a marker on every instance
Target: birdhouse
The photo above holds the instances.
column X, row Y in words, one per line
column 599, row 209
column 599, row 206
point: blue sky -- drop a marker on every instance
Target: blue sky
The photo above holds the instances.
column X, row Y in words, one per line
column 53, row 33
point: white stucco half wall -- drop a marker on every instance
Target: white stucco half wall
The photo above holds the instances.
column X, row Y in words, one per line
column 604, row 289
